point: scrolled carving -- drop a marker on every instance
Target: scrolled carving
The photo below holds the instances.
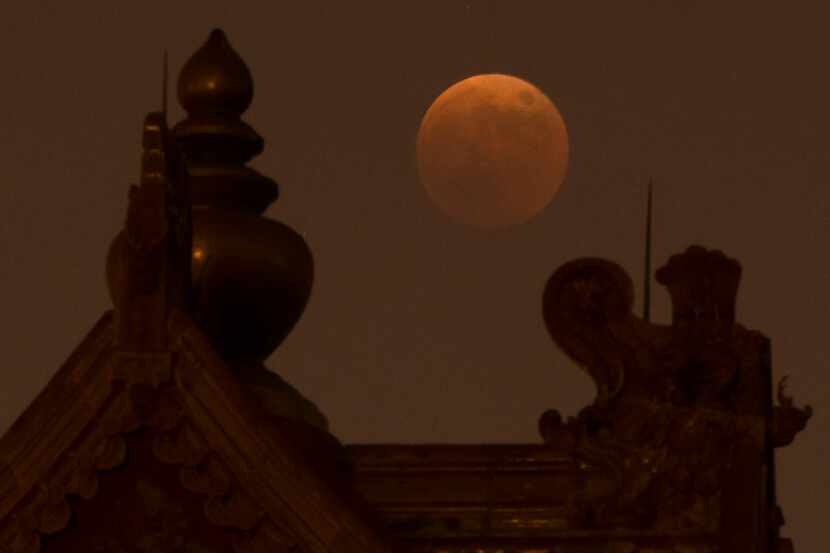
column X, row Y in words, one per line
column 47, row 510
column 181, row 446
column 201, row 470
column 591, row 290
column 582, row 302
column 233, row 510
column 677, row 405
column 210, row 477
column 703, row 374
column 120, row 415
column 141, row 367
column 703, row 285
column 84, row 482
column 556, row 432
column 110, row 453
column 787, row 419
column 168, row 412
column 668, row 463
column 54, row 515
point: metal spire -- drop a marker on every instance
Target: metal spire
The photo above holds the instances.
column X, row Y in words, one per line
column 164, row 87
column 647, row 271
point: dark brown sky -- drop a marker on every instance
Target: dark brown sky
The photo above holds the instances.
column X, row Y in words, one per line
column 419, row 330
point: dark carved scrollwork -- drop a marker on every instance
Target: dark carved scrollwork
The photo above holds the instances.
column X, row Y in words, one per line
column 145, row 396
column 585, row 303
column 148, row 264
column 787, row 419
column 674, row 403
column 137, row 262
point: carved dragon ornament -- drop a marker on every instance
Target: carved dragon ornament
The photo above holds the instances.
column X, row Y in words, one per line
column 674, row 402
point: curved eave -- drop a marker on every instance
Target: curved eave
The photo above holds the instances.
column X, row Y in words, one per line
column 263, row 459
column 56, row 418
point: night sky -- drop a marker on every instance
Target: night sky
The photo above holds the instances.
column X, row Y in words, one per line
column 420, row 329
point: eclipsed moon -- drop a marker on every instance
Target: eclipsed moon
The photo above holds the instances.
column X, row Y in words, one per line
column 492, row 151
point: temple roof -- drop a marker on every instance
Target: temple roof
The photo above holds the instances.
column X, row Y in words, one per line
column 163, row 431
column 252, row 480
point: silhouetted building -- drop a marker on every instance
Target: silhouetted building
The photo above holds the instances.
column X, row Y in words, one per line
column 164, row 432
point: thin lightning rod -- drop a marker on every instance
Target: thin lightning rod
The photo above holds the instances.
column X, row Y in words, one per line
column 647, row 271
column 164, row 86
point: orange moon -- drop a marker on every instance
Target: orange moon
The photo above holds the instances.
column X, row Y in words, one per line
column 492, row 151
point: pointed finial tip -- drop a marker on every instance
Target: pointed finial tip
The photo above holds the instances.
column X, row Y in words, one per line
column 217, row 35
column 216, row 79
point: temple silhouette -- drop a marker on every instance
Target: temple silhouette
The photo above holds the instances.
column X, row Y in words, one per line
column 164, row 432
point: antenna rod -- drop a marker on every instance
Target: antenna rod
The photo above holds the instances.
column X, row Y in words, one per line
column 647, row 271
column 164, row 87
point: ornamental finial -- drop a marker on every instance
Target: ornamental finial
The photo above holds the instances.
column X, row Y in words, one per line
column 703, row 285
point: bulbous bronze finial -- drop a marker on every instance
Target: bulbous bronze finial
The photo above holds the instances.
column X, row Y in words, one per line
column 251, row 276
column 215, row 79
column 215, row 87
